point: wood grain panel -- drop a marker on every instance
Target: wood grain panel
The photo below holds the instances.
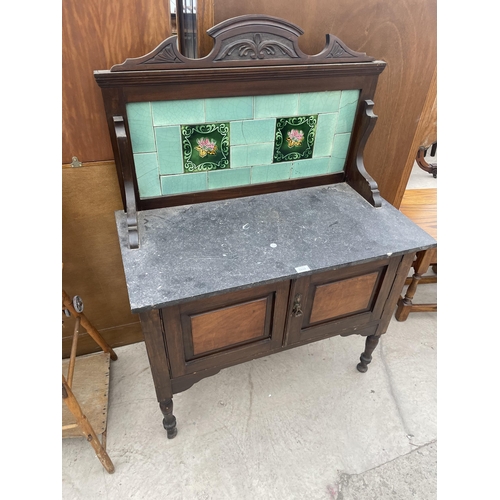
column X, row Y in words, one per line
column 342, row 297
column 425, row 135
column 402, row 33
column 204, row 21
column 95, row 35
column 420, row 205
column 91, row 256
column 231, row 325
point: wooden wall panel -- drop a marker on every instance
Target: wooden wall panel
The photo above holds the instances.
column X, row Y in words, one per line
column 95, row 35
column 91, row 256
column 204, row 21
column 402, row 33
column 425, row 135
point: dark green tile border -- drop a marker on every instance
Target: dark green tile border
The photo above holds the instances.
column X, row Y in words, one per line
column 286, row 148
column 205, row 147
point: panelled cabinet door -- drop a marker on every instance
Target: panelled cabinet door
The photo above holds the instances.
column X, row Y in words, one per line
column 346, row 301
column 223, row 330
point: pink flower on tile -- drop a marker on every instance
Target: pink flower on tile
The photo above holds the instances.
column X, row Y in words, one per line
column 295, row 138
column 206, row 146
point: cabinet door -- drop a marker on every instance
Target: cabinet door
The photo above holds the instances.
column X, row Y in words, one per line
column 225, row 329
column 339, row 302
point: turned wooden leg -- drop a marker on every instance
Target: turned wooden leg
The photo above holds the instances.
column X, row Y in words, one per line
column 169, row 421
column 421, row 265
column 405, row 303
column 366, row 357
column 152, row 329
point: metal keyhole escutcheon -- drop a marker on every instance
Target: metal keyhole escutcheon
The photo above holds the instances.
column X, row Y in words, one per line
column 297, row 306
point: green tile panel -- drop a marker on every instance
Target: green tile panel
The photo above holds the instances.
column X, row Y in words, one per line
column 339, row 152
column 319, row 102
column 272, row 106
column 222, row 109
column 183, row 183
column 220, row 179
column 347, row 111
column 178, row 112
column 157, row 140
column 140, row 123
column 252, row 131
column 148, row 179
column 325, row 131
column 255, row 154
column 168, row 140
column 311, row 167
column 271, row 173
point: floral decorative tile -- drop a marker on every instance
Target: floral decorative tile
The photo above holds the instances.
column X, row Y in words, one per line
column 205, row 147
column 294, row 138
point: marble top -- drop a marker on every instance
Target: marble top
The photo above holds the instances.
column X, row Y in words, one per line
column 196, row 251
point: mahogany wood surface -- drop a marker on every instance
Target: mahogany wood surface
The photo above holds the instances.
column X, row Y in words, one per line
column 228, row 326
column 152, row 327
column 238, row 322
column 183, row 381
column 185, row 373
column 344, row 282
column 249, row 40
column 342, row 297
column 397, row 286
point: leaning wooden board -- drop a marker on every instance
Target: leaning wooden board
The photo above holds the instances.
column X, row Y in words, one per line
column 91, row 388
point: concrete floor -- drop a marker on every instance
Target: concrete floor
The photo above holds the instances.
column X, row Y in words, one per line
column 303, row 424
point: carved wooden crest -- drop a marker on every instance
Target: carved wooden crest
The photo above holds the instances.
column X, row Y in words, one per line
column 246, row 41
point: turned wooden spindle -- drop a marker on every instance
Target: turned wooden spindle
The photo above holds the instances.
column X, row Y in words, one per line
column 169, row 421
column 366, row 356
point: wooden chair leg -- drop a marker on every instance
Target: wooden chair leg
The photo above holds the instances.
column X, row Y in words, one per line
column 405, row 304
column 87, row 430
column 431, row 168
column 98, row 338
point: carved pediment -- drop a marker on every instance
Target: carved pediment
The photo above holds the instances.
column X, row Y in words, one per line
column 243, row 41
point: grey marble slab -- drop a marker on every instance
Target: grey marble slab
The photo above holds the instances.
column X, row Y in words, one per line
column 200, row 250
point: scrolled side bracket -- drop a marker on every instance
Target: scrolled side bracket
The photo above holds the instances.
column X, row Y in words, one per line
column 358, row 178
column 130, row 201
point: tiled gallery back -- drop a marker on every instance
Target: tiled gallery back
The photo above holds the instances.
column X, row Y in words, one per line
column 199, row 144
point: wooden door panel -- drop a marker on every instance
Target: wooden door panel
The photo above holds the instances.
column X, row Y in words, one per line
column 227, row 327
column 222, row 330
column 339, row 301
column 343, row 297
